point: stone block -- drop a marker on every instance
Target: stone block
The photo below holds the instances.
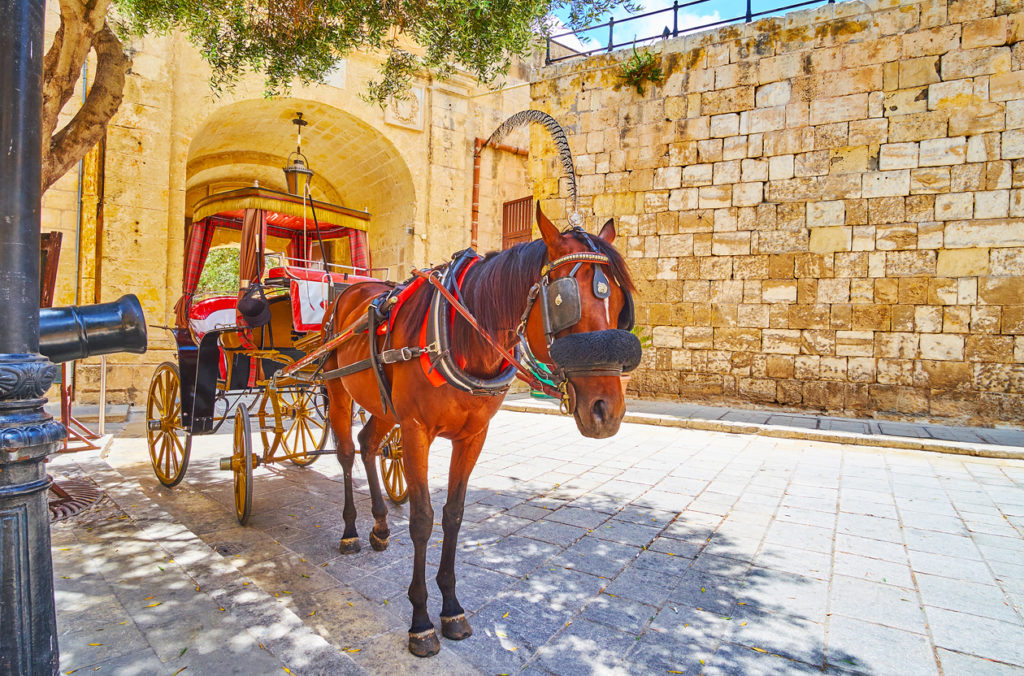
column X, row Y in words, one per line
column 730, row 244
column 962, row 262
column 1008, row 262
column 1000, row 290
column 715, row 197
column 895, row 236
column 942, row 347
column 855, row 343
column 977, row 119
column 919, row 126
column 941, row 291
column 974, row 62
column 909, row 263
column 943, row 151
column 726, row 172
column 913, row 290
column 1013, row 144
column 808, row 316
column 833, row 291
column 982, row 348
column 930, row 234
column 667, row 178
column 747, row 194
column 994, row 232
column 838, row 109
column 951, row 94
column 1006, row 86
column 899, row 345
column 898, row 156
column 778, row 291
column 830, row 239
column 886, row 183
column 849, row 160
column 987, row 32
column 929, row 180
column 683, row 199
column 919, row 72
column 956, row 319
column 737, row 339
column 992, row 204
column 667, row 336
column 780, row 341
column 727, row 100
column 870, row 318
column 928, row 319
column 868, row 132
column 825, row 214
column 954, row 206
column 1012, row 319
column 725, row 125
column 989, row 318
column 934, row 42
column 780, row 167
column 774, row 94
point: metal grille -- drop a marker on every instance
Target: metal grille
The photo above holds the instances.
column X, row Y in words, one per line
column 71, row 496
column 516, row 224
column 603, row 38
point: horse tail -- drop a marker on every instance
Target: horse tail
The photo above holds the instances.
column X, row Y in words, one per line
column 525, row 117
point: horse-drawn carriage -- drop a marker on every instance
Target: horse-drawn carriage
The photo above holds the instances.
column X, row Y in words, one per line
column 230, row 364
column 432, row 357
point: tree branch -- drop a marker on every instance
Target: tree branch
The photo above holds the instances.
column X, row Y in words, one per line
column 62, row 65
column 89, row 124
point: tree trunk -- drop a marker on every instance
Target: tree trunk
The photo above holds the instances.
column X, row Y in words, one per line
column 82, row 28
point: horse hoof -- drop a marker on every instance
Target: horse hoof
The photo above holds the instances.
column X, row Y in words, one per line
column 424, row 643
column 456, row 627
column 379, row 544
column 349, row 546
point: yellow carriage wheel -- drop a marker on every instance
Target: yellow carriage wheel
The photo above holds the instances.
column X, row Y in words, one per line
column 169, row 442
column 299, row 422
column 392, row 467
column 242, row 464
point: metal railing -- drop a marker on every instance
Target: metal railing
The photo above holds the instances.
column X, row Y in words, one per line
column 609, row 43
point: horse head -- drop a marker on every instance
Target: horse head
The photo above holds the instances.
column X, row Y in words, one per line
column 581, row 323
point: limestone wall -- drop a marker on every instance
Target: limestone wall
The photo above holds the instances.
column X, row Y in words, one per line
column 822, row 211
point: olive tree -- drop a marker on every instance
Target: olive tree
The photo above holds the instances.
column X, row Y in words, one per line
column 286, row 40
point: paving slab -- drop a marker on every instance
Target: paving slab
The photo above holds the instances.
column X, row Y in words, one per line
column 664, row 549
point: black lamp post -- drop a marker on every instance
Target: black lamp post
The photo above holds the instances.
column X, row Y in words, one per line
column 28, row 626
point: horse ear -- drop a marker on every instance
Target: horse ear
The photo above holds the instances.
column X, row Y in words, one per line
column 608, row 231
column 548, row 232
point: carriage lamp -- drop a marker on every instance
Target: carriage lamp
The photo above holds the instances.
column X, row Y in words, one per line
column 298, row 173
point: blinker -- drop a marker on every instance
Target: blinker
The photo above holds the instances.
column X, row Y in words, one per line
column 562, row 307
column 601, row 287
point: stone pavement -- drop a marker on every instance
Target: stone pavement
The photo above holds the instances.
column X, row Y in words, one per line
column 661, row 550
column 993, row 442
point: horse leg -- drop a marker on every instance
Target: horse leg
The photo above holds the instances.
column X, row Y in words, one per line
column 341, row 422
column 465, row 452
column 423, row 640
column 369, row 442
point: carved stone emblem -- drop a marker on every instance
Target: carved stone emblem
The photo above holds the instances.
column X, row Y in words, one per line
column 407, row 112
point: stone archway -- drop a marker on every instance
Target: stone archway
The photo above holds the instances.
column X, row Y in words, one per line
column 354, row 164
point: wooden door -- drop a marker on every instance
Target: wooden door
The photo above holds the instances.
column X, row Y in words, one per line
column 516, row 222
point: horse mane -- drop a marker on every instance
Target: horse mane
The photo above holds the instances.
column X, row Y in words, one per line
column 495, row 289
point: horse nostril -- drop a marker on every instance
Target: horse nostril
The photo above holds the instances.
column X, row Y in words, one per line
column 599, row 410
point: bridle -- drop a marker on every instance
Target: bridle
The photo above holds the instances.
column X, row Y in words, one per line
column 561, row 307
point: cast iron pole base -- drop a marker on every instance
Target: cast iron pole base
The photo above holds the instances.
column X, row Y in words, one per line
column 28, row 631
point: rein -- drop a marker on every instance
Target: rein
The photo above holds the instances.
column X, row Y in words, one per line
column 561, row 392
column 522, row 373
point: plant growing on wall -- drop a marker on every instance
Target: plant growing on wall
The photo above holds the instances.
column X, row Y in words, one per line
column 642, row 66
column 285, row 40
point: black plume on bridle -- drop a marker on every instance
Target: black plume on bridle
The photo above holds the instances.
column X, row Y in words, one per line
column 525, row 117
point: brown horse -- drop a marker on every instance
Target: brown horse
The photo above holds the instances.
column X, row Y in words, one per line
column 496, row 292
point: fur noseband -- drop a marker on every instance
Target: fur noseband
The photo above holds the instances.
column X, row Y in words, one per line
column 610, row 349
